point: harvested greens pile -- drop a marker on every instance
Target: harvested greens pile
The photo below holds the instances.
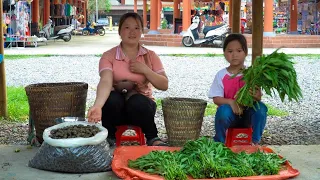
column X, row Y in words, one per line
column 270, row 73
column 205, row 158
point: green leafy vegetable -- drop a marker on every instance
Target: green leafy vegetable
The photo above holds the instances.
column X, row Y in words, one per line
column 205, row 158
column 274, row 72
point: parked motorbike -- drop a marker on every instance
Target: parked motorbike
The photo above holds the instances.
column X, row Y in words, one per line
column 64, row 33
column 94, row 29
column 213, row 35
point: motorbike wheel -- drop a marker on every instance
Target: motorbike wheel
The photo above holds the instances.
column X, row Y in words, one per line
column 101, row 32
column 187, row 41
column 85, row 32
column 67, row 38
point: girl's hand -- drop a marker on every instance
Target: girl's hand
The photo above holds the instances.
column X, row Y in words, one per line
column 94, row 114
column 138, row 67
column 236, row 108
column 258, row 94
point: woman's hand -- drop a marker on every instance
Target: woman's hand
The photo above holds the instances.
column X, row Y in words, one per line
column 138, row 67
column 258, row 94
column 94, row 114
column 236, row 108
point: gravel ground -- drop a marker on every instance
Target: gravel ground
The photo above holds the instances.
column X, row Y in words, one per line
column 188, row 77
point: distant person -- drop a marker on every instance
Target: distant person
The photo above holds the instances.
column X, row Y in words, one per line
column 127, row 74
column 224, row 89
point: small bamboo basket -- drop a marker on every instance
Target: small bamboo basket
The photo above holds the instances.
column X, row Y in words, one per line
column 48, row 101
column 183, row 119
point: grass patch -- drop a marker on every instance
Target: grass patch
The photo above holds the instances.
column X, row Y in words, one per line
column 25, row 56
column 18, row 107
column 317, row 56
column 273, row 111
column 212, row 108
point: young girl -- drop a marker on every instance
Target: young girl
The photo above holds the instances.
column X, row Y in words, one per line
column 224, row 88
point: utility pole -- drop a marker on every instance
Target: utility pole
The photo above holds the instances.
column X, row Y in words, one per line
column 3, row 87
column 97, row 11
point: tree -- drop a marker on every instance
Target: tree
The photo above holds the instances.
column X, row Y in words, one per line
column 108, row 5
column 104, row 5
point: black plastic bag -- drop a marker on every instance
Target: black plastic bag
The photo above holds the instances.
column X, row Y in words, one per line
column 74, row 155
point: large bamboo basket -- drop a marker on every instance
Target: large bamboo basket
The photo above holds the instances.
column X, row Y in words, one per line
column 48, row 101
column 183, row 119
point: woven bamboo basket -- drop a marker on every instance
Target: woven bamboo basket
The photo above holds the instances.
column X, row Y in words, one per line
column 48, row 101
column 183, row 119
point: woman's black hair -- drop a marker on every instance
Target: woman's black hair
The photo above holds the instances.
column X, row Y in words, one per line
column 236, row 37
column 134, row 15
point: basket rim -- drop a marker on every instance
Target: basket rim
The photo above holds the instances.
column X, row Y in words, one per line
column 184, row 100
column 58, row 83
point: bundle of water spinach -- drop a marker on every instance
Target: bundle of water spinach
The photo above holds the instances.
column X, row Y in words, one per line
column 205, row 158
column 270, row 72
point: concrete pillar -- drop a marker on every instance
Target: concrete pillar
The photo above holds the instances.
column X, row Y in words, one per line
column 63, row 1
column 293, row 16
column 85, row 11
column 268, row 18
column 153, row 17
column 46, row 11
column 123, row 2
column 34, row 26
column 145, row 19
column 35, row 11
column 135, row 6
column 176, row 10
column 159, row 12
column 56, row 2
column 186, row 15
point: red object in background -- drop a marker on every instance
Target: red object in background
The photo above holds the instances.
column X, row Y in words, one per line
column 179, row 29
column 243, row 23
column 238, row 136
column 138, row 137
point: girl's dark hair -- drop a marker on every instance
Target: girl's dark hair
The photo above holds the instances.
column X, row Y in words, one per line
column 236, row 37
column 134, row 15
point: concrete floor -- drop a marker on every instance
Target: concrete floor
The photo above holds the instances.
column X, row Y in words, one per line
column 14, row 164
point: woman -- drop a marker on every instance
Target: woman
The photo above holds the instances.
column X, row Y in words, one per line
column 127, row 74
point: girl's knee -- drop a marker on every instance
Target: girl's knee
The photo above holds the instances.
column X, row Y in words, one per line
column 224, row 114
column 263, row 107
column 224, row 111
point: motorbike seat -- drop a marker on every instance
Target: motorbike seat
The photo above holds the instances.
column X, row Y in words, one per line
column 209, row 28
column 98, row 26
column 58, row 28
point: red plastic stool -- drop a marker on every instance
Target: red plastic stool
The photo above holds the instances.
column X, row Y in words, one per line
column 138, row 137
column 234, row 136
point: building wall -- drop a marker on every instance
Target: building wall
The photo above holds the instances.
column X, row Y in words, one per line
column 128, row 2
